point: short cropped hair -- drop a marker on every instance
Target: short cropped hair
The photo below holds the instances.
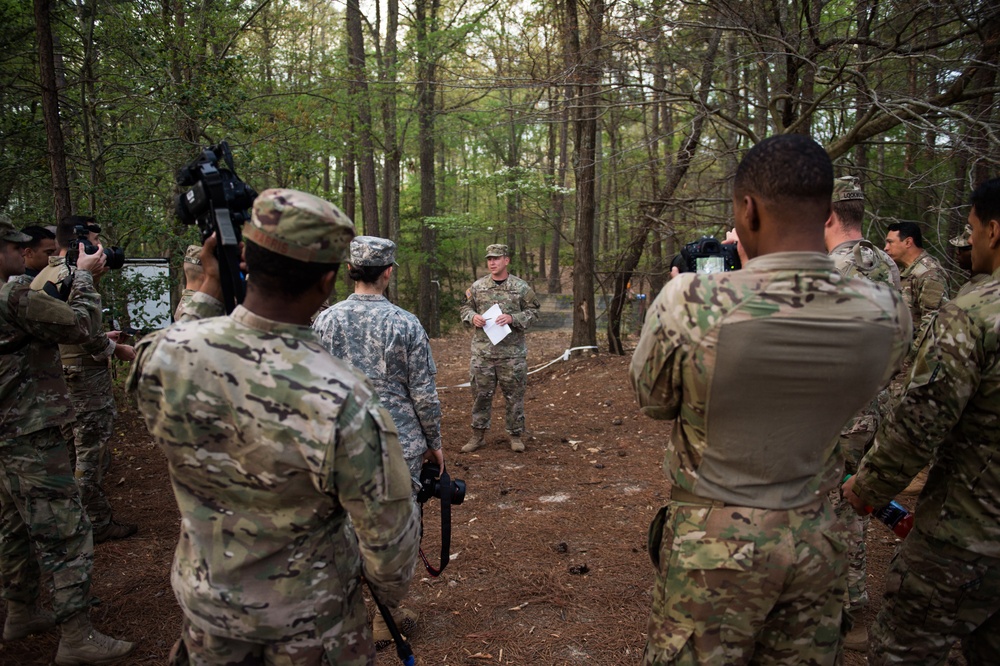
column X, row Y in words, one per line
column 38, row 234
column 909, row 230
column 851, row 213
column 786, row 166
column 278, row 275
column 366, row 274
column 985, row 200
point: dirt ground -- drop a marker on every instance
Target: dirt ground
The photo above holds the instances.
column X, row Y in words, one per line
column 548, row 550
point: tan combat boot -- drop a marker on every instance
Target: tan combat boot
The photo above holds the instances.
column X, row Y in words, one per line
column 857, row 638
column 516, row 445
column 24, row 620
column 82, row 644
column 406, row 622
column 476, row 442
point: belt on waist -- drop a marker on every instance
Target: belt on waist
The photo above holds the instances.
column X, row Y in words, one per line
column 686, row 496
column 84, row 363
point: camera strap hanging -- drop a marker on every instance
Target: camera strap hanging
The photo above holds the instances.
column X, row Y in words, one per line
column 446, row 491
column 403, row 649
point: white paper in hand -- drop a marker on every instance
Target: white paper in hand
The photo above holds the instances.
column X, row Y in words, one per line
column 494, row 332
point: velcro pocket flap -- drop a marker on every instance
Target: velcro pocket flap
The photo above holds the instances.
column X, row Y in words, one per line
column 711, row 553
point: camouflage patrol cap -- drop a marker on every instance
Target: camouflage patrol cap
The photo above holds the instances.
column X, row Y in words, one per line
column 193, row 255
column 847, row 188
column 300, row 226
column 9, row 233
column 962, row 240
column 497, row 250
column 372, row 251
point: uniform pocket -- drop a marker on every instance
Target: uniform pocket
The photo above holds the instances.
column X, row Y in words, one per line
column 713, row 553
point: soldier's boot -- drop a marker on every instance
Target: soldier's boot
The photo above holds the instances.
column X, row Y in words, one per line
column 516, row 445
column 405, row 619
column 25, row 620
column 916, row 486
column 476, row 442
column 857, row 638
column 114, row 531
column 82, row 644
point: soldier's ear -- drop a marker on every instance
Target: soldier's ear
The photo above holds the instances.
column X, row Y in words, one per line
column 993, row 233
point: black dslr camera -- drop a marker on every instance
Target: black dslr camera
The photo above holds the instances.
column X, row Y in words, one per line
column 218, row 202
column 707, row 255
column 114, row 256
column 432, row 483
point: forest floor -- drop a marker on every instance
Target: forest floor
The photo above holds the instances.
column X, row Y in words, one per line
column 549, row 563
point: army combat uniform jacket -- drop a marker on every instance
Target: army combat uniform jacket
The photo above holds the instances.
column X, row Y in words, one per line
column 390, row 347
column 949, row 415
column 516, row 298
column 925, row 290
column 275, row 448
column 33, row 393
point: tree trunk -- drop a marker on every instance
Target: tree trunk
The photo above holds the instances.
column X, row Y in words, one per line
column 426, row 88
column 633, row 251
column 62, row 202
column 358, row 88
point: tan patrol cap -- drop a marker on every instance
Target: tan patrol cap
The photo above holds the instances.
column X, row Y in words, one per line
column 497, row 250
column 847, row 188
column 9, row 233
column 300, row 226
column 962, row 241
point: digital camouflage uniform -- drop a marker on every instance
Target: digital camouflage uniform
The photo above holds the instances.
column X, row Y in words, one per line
column 750, row 557
column 943, row 584
column 275, row 449
column 859, row 258
column 390, row 347
column 88, row 378
column 42, row 521
column 506, row 362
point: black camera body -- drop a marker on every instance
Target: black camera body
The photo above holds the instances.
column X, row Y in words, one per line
column 431, row 485
column 707, row 255
column 114, row 256
column 218, row 202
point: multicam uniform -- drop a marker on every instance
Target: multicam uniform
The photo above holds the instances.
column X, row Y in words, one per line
column 943, row 584
column 925, row 289
column 275, row 448
column 860, row 258
column 390, row 347
column 505, row 362
column 40, row 510
column 88, row 378
column 749, row 554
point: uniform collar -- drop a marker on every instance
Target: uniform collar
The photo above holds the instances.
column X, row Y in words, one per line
column 254, row 321
column 791, row 261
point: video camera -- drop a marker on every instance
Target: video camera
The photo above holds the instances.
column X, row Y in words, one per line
column 114, row 257
column 218, row 202
column 707, row 255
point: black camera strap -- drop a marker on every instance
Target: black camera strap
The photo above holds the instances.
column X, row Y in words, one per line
column 403, row 649
column 446, row 489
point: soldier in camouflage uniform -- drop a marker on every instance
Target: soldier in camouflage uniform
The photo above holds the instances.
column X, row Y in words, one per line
column 288, row 472
column 854, row 256
column 88, row 377
column 391, row 348
column 749, row 554
column 943, row 584
column 505, row 362
column 38, row 250
column 193, row 275
column 43, row 528
column 924, row 281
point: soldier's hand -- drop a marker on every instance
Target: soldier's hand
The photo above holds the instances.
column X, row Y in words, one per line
column 211, row 283
column 114, row 335
column 503, row 320
column 125, row 353
column 92, row 262
column 435, row 457
column 478, row 321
